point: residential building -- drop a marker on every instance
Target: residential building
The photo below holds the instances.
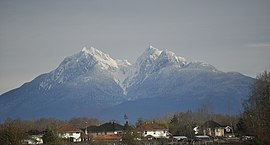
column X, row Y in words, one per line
column 214, row 129
column 153, row 130
column 34, row 139
column 71, row 133
column 109, row 128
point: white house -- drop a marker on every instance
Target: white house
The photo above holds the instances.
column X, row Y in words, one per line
column 71, row 133
column 34, row 139
column 153, row 130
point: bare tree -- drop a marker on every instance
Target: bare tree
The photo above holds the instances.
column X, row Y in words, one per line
column 11, row 133
column 256, row 113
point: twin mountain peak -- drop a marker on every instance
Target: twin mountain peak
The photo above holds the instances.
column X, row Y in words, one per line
column 91, row 83
column 91, row 62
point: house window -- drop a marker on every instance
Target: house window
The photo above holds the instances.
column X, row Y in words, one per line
column 145, row 132
column 154, row 132
column 70, row 134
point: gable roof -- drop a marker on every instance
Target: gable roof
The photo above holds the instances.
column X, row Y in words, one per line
column 68, row 128
column 211, row 124
column 106, row 127
column 151, row 126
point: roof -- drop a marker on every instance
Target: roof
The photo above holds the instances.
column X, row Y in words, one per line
column 151, row 126
column 106, row 127
column 211, row 124
column 68, row 128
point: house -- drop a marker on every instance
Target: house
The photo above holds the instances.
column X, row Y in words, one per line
column 109, row 128
column 71, row 133
column 34, row 139
column 214, row 129
column 153, row 130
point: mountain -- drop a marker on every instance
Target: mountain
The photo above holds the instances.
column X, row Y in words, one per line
column 91, row 83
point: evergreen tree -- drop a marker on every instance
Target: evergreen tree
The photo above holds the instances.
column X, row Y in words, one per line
column 51, row 138
column 129, row 135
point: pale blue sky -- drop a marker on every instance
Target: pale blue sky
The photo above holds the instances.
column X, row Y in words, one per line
column 35, row 35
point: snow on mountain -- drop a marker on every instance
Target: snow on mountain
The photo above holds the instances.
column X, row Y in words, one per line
column 168, row 58
column 200, row 65
column 86, row 63
column 151, row 61
column 90, row 82
column 154, row 59
column 104, row 60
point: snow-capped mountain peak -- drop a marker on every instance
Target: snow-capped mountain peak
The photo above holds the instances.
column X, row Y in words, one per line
column 151, row 49
column 90, row 82
column 171, row 56
column 91, row 60
column 149, row 55
column 101, row 58
column 89, row 49
column 154, row 59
